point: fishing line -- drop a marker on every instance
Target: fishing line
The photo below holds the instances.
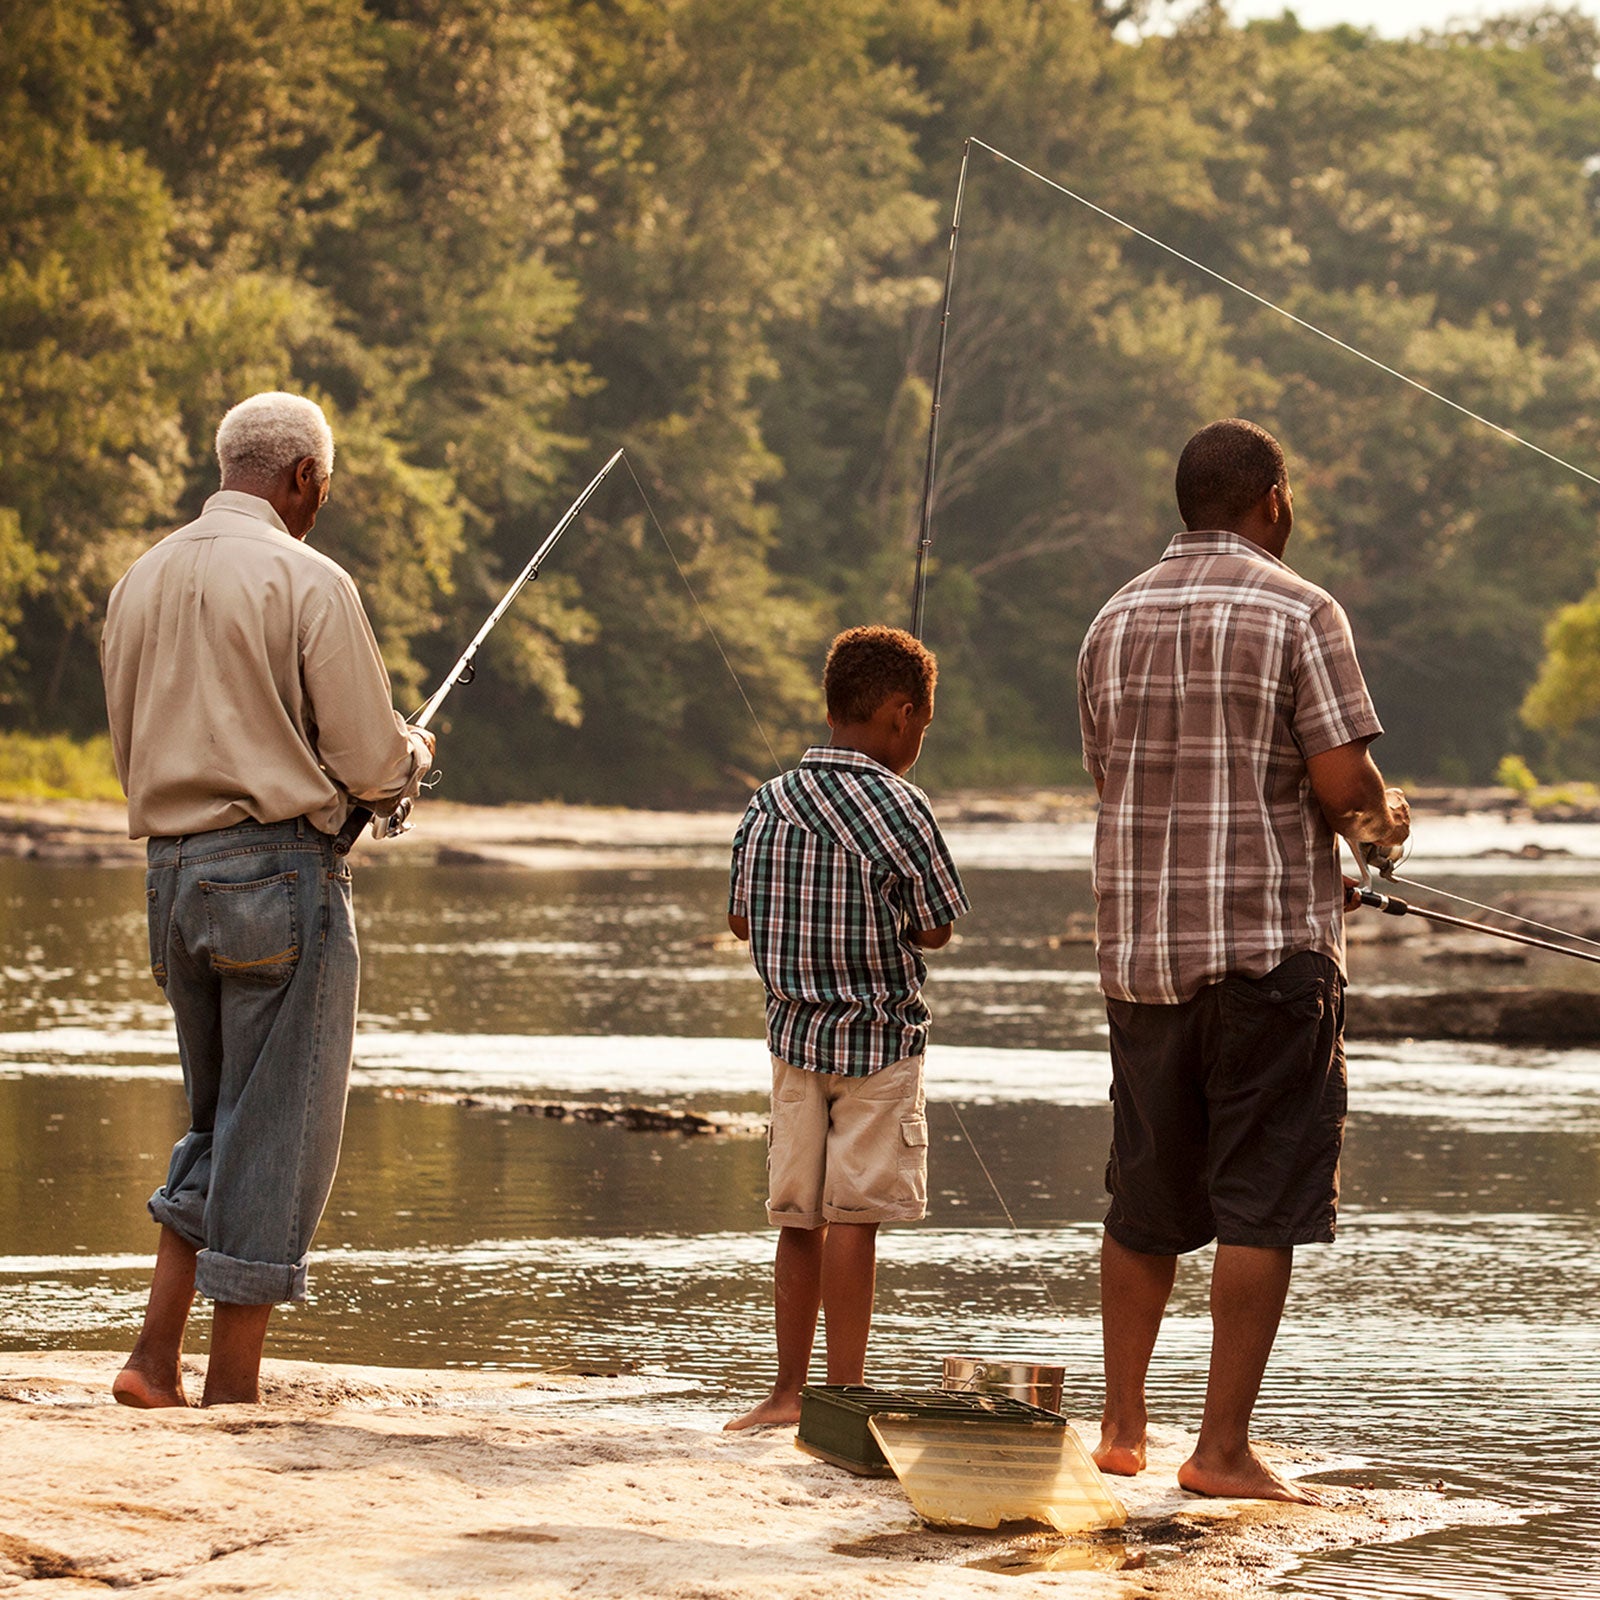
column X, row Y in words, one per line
column 977, row 1156
column 777, row 765
column 1282, row 311
column 1497, row 911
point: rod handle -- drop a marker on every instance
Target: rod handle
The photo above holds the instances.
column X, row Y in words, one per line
column 1391, row 905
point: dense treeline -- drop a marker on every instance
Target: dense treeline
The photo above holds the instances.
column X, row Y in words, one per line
column 500, row 238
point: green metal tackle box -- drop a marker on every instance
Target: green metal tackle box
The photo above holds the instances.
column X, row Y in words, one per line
column 833, row 1419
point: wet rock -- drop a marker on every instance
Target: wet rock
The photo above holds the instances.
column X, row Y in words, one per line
column 1077, row 930
column 1478, row 954
column 1502, row 1015
column 638, row 1119
column 1527, row 852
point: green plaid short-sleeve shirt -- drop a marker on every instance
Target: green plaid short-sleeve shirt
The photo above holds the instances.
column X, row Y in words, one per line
column 835, row 864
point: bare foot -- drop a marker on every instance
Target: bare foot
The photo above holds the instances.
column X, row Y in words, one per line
column 138, row 1386
column 1245, row 1477
column 221, row 1397
column 776, row 1411
column 1122, row 1457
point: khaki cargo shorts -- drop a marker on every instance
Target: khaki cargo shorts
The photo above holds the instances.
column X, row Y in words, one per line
column 847, row 1149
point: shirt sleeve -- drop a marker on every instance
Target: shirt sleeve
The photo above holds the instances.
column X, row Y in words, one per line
column 362, row 741
column 934, row 893
column 1331, row 703
column 1094, row 762
column 738, row 887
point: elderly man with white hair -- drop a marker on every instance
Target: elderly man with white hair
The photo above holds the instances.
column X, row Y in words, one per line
column 250, row 710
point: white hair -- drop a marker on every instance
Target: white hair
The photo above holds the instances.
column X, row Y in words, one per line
column 263, row 435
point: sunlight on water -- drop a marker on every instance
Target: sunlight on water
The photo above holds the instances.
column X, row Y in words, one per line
column 1461, row 844
column 1478, row 1086
column 1449, row 1337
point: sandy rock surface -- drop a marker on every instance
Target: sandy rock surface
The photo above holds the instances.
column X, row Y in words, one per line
column 355, row 1482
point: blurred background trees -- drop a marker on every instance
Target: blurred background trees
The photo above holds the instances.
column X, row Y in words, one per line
column 498, row 239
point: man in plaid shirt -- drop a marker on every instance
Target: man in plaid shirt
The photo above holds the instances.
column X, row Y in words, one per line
column 1226, row 725
column 840, row 881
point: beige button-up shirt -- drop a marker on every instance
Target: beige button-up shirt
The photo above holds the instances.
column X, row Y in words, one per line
column 243, row 682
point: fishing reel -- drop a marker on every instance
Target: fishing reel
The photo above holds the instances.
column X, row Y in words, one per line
column 399, row 820
column 1377, row 860
column 1381, row 859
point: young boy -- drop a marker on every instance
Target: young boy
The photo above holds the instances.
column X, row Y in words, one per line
column 840, row 881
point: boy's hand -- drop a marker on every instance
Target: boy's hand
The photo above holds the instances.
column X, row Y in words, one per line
column 933, row 938
column 739, row 927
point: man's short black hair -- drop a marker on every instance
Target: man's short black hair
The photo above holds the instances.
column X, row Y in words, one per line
column 1224, row 470
column 867, row 666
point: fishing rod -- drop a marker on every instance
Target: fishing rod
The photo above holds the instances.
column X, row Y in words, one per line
column 464, row 671
column 919, row 586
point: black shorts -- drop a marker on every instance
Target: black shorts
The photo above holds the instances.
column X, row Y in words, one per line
column 1229, row 1113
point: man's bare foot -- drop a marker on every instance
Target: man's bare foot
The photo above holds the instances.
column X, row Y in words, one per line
column 228, row 1397
column 776, row 1411
column 1122, row 1457
column 1245, row 1477
column 138, row 1386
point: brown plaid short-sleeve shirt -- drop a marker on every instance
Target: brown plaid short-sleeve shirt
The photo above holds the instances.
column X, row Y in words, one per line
column 1203, row 686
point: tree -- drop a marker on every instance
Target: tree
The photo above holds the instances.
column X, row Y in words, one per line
column 735, row 165
column 91, row 450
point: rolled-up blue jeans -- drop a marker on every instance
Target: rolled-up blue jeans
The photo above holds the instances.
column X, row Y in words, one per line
column 252, row 936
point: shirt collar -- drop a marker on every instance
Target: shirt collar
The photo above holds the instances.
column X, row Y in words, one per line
column 249, row 505
column 1217, row 542
column 832, row 755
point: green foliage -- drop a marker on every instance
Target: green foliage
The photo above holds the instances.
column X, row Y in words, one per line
column 1567, row 690
column 54, row 767
column 1514, row 773
column 1566, row 795
column 499, row 240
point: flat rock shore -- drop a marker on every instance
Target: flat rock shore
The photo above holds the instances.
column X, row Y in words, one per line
column 362, row 1483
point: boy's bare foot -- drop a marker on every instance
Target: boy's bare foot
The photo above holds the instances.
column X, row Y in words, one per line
column 138, row 1386
column 1245, row 1477
column 1122, row 1457
column 776, row 1411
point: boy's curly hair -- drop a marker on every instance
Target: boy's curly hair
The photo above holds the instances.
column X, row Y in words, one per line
column 866, row 666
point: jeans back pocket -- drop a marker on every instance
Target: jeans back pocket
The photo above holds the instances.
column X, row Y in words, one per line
column 252, row 929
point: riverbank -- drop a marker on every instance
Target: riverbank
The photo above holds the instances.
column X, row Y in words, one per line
column 377, row 1483
column 550, row 835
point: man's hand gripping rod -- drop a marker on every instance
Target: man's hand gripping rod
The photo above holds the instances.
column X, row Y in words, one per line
column 1377, row 859
column 462, row 672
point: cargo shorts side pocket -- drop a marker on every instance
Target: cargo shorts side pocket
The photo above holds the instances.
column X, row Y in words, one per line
column 252, row 929
column 914, row 1157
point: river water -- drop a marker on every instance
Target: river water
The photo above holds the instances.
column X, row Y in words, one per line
column 1449, row 1337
